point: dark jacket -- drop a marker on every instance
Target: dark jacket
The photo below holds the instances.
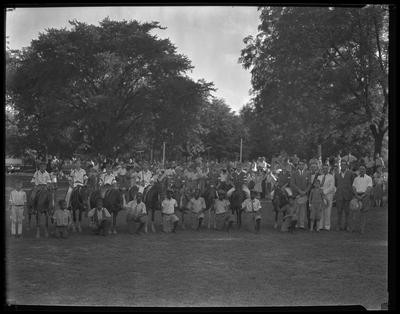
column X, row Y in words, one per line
column 344, row 185
column 299, row 181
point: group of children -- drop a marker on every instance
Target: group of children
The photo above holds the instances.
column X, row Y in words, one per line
column 136, row 213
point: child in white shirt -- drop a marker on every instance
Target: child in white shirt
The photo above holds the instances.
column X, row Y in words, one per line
column 17, row 205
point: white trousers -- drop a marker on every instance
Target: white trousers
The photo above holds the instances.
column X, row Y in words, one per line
column 325, row 221
column 68, row 195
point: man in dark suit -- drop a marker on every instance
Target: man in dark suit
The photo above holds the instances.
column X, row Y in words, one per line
column 300, row 184
column 344, row 193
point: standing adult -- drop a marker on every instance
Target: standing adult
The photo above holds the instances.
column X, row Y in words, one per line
column 328, row 187
column 362, row 186
column 344, row 193
column 300, row 184
column 314, row 173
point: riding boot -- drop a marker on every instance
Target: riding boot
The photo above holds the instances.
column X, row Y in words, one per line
column 174, row 228
column 140, row 228
column 200, row 222
column 183, row 223
column 37, row 233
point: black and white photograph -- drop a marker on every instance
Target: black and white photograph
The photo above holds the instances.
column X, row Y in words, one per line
column 197, row 156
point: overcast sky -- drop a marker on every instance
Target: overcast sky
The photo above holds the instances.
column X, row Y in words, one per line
column 212, row 37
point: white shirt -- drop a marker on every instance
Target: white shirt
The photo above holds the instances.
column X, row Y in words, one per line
column 168, row 206
column 99, row 213
column 145, row 176
column 169, row 172
column 221, row 206
column 78, row 177
column 251, row 205
column 62, row 217
column 136, row 209
column 106, row 178
column 18, row 197
column 223, row 177
column 329, row 184
column 41, row 177
column 361, row 184
column 122, row 171
column 197, row 205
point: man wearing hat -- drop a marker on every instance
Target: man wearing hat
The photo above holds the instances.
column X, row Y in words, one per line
column 99, row 218
column 41, row 179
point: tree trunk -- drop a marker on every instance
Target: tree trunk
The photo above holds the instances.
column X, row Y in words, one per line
column 378, row 141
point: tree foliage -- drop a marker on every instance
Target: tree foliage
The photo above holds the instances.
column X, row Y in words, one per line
column 320, row 76
column 95, row 88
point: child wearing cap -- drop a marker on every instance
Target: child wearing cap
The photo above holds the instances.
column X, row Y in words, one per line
column 222, row 213
column 62, row 219
column 136, row 213
column 168, row 206
column 197, row 205
column 99, row 218
column 252, row 206
column 17, row 205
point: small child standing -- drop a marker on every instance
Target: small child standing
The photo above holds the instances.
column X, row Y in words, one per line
column 62, row 219
column 316, row 203
column 17, row 206
column 290, row 219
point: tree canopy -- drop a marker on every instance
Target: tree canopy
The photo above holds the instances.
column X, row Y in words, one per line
column 320, row 76
column 109, row 89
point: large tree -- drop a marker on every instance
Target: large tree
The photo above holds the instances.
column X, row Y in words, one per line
column 98, row 89
column 223, row 129
column 319, row 76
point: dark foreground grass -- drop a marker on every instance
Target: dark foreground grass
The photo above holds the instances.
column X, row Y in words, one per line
column 205, row 268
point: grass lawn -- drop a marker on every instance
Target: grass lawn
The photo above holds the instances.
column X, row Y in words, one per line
column 205, row 268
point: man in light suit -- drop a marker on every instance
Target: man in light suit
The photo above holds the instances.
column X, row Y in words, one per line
column 344, row 193
column 328, row 187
